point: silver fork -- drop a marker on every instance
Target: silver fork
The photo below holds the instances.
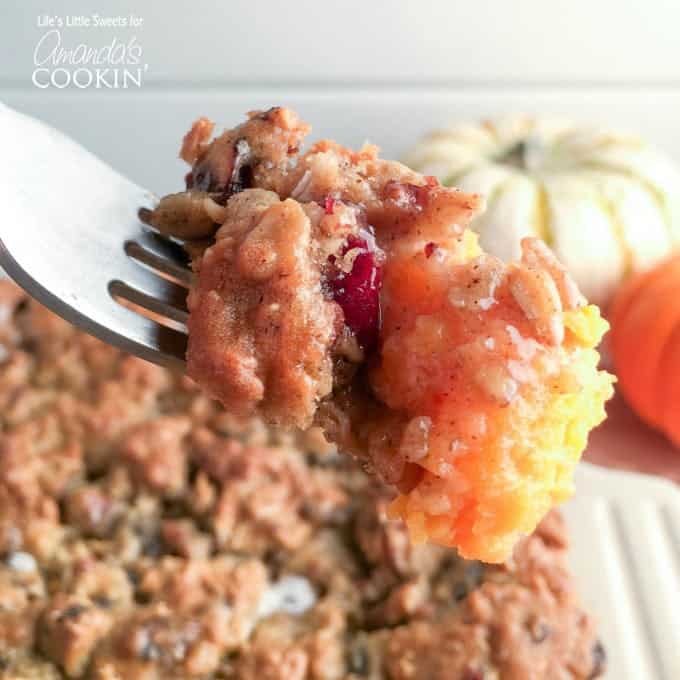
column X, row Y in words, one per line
column 70, row 235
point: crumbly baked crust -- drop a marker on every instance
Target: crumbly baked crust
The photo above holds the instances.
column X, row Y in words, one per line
column 147, row 534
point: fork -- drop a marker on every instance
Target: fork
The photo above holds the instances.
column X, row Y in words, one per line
column 71, row 236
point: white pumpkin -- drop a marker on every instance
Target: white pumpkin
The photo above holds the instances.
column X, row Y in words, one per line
column 605, row 202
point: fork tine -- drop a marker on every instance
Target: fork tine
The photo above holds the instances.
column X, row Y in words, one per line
column 152, row 284
column 161, row 254
column 153, row 341
column 158, row 305
column 172, row 345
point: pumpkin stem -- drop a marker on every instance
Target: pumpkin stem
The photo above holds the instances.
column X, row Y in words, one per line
column 515, row 155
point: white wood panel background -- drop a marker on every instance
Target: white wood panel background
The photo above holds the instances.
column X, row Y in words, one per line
column 139, row 133
column 388, row 41
column 383, row 70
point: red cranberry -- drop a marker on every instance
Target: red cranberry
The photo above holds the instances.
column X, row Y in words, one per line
column 420, row 194
column 329, row 205
column 473, row 674
column 358, row 291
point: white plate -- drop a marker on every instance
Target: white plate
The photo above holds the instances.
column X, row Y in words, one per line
column 625, row 555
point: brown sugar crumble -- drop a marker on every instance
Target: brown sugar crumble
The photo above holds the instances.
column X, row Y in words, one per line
column 147, row 534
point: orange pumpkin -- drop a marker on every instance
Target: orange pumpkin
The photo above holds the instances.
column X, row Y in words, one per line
column 645, row 345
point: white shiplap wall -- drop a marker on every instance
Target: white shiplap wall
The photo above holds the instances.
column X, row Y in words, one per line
column 380, row 70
